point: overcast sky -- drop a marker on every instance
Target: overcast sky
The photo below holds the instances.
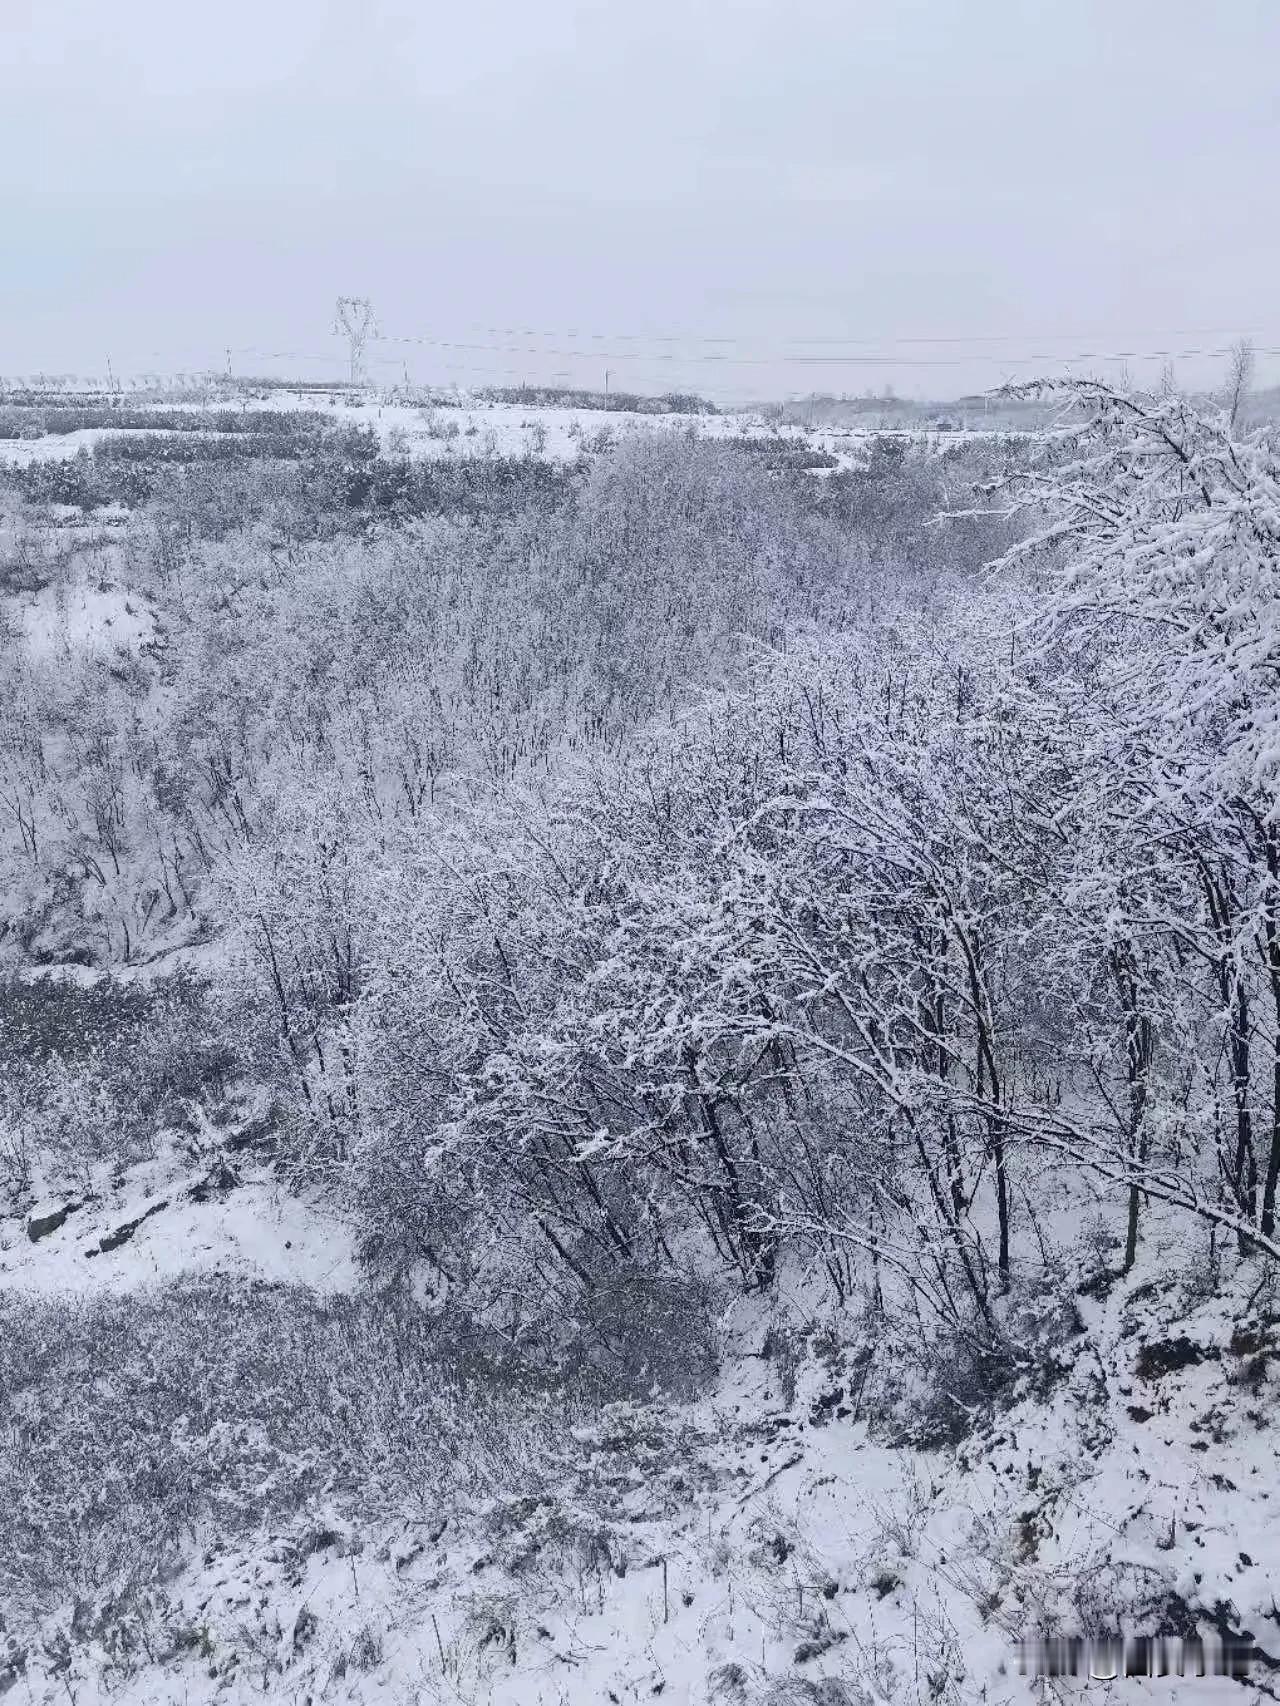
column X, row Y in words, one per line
column 1038, row 179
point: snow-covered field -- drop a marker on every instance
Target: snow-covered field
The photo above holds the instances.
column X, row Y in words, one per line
column 459, row 426
column 511, row 429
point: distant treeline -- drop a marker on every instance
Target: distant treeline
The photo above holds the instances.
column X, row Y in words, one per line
column 55, row 420
column 628, row 402
column 989, row 413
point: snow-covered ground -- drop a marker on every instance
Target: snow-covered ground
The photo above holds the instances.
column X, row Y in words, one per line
column 762, row 1546
column 775, row 1542
column 175, row 1224
column 82, row 615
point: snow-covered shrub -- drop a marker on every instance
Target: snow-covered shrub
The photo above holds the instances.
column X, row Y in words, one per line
column 131, row 1424
column 93, row 1075
column 645, row 1330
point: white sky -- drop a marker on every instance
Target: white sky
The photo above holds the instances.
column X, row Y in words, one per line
column 1059, row 176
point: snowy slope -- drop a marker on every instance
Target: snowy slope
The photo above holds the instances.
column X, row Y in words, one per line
column 769, row 1543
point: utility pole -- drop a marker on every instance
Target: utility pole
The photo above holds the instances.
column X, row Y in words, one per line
column 355, row 320
column 606, row 381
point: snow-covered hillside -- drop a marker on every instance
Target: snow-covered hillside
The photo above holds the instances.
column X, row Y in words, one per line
column 629, row 1075
column 789, row 1535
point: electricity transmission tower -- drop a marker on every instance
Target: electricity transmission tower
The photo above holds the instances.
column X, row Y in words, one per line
column 355, row 320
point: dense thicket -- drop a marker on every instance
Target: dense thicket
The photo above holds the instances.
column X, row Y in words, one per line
column 678, row 867
column 214, row 1407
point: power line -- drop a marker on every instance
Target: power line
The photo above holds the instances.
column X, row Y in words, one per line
column 882, row 359
column 672, row 368
column 503, row 370
column 880, row 342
